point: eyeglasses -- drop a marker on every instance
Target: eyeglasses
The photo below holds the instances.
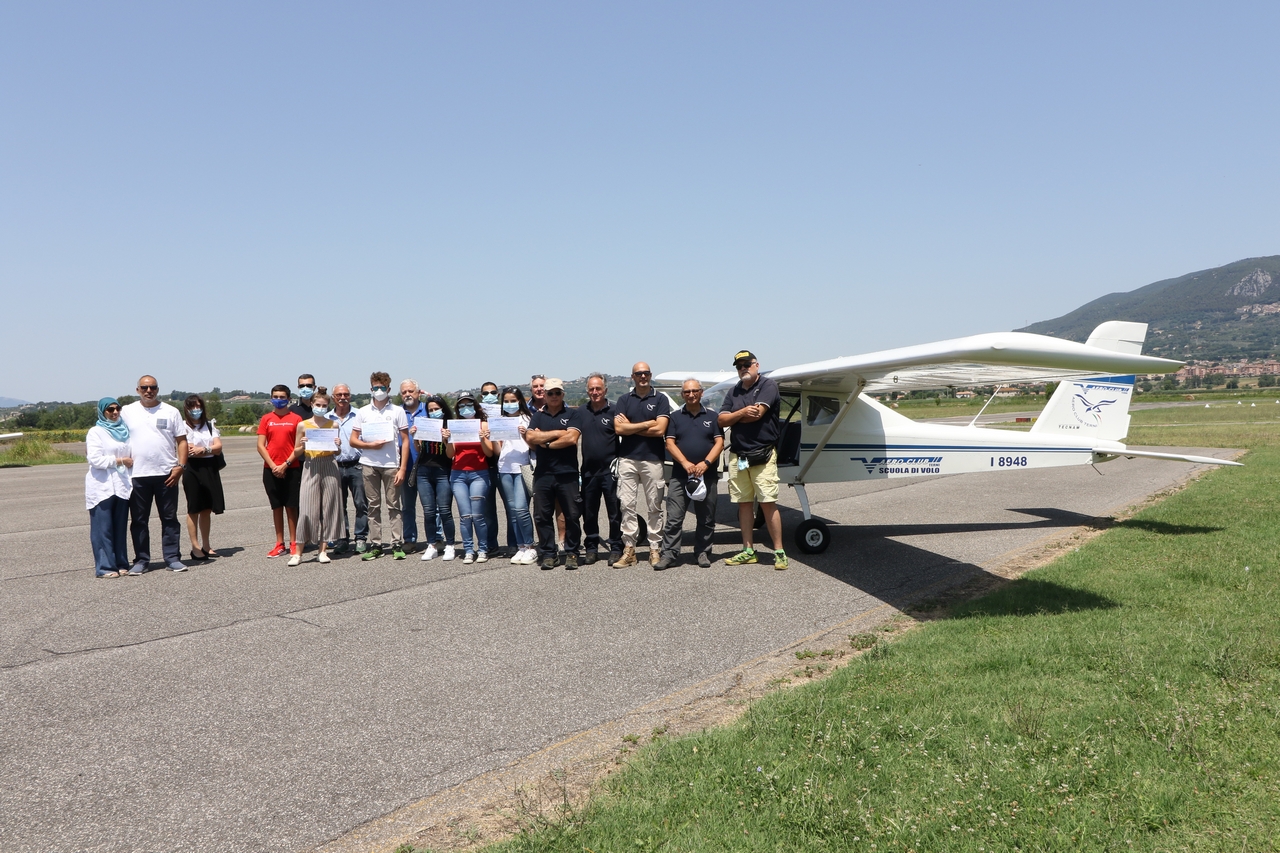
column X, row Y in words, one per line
column 555, row 393
column 148, row 387
column 341, row 394
column 642, row 373
column 687, row 391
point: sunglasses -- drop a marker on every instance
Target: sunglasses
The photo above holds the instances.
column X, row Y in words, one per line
column 555, row 393
column 148, row 387
column 378, row 388
column 741, row 364
column 692, row 391
column 643, row 373
column 111, row 410
column 538, row 376
column 306, row 385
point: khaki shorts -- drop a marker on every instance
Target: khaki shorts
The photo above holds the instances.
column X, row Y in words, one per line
column 759, row 483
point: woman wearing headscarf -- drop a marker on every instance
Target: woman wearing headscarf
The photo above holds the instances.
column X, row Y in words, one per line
column 320, row 516
column 107, row 488
column 201, row 481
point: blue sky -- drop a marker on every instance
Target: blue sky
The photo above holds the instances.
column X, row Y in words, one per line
column 230, row 194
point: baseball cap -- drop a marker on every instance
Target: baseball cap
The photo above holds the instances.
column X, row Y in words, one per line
column 744, row 353
column 553, row 384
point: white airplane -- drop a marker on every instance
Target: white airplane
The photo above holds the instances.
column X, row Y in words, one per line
column 833, row 431
column 10, row 435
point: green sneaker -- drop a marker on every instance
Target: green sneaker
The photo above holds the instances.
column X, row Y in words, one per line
column 373, row 553
column 397, row 553
column 742, row 558
column 780, row 561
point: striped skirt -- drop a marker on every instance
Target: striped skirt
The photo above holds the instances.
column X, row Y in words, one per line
column 320, row 517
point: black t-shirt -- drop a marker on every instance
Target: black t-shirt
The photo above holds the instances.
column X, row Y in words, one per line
column 641, row 448
column 695, row 435
column 560, row 460
column 750, row 437
column 599, row 441
column 302, row 409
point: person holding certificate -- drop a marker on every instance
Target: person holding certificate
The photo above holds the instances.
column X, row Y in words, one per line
column 320, row 516
column 381, row 434
column 434, row 491
column 513, row 459
column 470, row 475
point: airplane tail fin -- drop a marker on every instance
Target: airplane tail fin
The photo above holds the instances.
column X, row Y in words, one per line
column 1089, row 408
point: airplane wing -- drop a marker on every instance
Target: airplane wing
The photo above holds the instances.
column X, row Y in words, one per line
column 997, row 358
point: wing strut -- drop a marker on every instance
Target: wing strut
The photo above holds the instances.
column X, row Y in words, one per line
column 826, row 436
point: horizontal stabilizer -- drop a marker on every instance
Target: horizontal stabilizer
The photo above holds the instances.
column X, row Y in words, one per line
column 1119, row 336
column 1177, row 457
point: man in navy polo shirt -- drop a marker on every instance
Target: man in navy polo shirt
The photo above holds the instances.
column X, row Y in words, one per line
column 641, row 423
column 599, row 452
column 554, row 431
column 751, row 409
column 694, row 440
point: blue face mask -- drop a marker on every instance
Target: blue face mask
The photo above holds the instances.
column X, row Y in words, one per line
column 196, row 413
column 489, row 398
column 510, row 408
column 467, row 412
column 436, row 413
column 278, row 403
column 306, row 393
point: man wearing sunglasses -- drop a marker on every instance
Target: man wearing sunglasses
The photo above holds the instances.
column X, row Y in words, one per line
column 751, row 408
column 641, row 425
column 306, row 390
column 554, row 432
column 158, row 439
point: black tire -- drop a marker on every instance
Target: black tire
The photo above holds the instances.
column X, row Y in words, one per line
column 813, row 536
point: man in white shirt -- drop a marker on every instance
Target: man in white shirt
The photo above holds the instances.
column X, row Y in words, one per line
column 383, row 463
column 158, row 439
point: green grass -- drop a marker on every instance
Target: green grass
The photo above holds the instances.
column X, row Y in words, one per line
column 1124, row 697
column 25, row 451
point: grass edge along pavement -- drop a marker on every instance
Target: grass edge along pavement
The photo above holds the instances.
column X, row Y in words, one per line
column 1123, row 697
column 22, row 452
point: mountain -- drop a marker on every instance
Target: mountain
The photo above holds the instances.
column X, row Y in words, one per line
column 11, row 403
column 1230, row 312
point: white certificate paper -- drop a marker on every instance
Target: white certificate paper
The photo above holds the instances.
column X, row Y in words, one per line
column 322, row 439
column 504, row 429
column 493, row 410
column 428, row 429
column 464, row 431
column 372, row 431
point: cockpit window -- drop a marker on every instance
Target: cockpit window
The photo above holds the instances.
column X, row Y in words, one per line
column 821, row 410
column 713, row 397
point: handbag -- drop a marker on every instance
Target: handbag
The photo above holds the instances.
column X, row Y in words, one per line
column 758, row 457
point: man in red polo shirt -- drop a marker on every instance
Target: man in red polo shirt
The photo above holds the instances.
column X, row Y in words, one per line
column 282, row 467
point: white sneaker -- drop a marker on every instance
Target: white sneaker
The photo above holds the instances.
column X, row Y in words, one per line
column 517, row 557
column 469, row 558
column 430, row 553
column 323, row 558
column 530, row 557
column 482, row 557
column 448, row 552
column 295, row 558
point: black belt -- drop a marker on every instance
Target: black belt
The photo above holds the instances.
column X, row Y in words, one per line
column 349, row 464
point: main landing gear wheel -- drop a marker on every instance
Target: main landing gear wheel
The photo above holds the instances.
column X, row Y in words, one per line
column 812, row 536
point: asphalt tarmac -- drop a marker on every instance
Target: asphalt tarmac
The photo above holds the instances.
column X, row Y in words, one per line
column 248, row 706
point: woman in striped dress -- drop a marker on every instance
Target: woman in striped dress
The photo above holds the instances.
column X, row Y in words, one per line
column 320, row 517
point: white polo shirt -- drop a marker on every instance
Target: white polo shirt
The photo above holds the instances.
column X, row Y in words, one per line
column 153, row 437
column 388, row 455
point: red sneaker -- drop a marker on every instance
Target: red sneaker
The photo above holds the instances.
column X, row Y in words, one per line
column 278, row 551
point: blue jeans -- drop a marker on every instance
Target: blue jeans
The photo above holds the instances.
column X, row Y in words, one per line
column 516, row 499
column 470, row 489
column 109, row 535
column 352, row 479
column 491, row 515
column 437, row 499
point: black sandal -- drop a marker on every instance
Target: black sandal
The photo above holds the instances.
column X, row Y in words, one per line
column 204, row 555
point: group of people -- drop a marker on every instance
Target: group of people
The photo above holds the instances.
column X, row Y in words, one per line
column 554, row 466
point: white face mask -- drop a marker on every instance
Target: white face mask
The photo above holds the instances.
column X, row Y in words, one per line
column 320, row 410
column 380, row 395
